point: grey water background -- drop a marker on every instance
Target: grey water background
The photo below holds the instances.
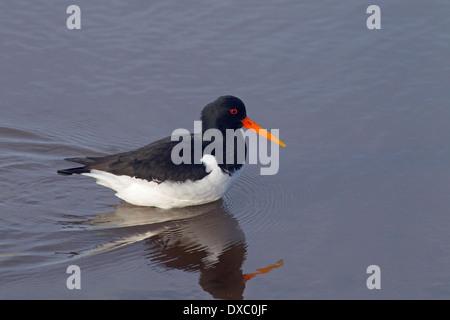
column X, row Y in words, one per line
column 364, row 179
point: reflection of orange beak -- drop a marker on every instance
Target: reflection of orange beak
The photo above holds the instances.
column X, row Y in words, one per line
column 247, row 277
column 249, row 124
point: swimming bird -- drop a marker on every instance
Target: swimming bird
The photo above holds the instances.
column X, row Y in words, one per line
column 148, row 176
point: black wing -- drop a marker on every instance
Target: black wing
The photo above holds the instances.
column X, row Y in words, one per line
column 152, row 162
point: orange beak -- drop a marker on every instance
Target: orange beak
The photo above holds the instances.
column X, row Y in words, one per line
column 249, row 124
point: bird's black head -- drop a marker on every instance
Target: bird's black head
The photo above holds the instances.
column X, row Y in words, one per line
column 226, row 112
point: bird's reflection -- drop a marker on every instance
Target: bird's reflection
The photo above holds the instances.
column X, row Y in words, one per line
column 205, row 239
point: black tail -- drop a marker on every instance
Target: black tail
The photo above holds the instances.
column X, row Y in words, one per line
column 68, row 172
column 78, row 170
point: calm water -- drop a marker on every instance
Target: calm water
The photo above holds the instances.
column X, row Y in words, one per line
column 364, row 179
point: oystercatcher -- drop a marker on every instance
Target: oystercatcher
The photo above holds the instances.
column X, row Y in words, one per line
column 148, row 176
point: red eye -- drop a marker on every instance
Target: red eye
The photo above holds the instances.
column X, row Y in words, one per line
column 233, row 111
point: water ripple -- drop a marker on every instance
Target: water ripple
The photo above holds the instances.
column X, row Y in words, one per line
column 257, row 200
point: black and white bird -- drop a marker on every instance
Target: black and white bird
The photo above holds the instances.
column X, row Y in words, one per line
column 148, row 176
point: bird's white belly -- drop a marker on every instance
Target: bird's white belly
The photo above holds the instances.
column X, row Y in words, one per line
column 169, row 194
